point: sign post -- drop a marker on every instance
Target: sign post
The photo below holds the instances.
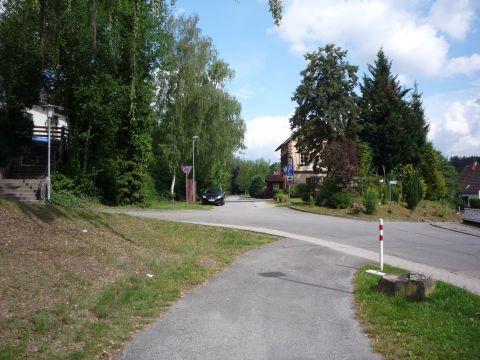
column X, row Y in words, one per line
column 390, row 183
column 380, row 237
column 186, row 171
column 290, row 173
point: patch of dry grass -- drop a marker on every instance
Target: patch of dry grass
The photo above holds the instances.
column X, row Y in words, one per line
column 425, row 211
column 74, row 283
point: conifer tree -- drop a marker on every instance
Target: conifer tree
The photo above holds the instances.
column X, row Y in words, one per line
column 394, row 128
column 326, row 102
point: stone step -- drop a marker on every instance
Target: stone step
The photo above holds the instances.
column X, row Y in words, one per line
column 23, row 190
column 17, row 183
column 23, row 198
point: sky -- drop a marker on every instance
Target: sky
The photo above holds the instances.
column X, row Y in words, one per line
column 435, row 43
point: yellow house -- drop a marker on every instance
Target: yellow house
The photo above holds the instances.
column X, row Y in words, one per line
column 303, row 173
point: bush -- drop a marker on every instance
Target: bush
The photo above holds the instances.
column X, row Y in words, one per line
column 370, row 201
column 298, row 190
column 396, row 191
column 383, row 193
column 475, row 203
column 339, row 200
column 414, row 192
column 257, row 187
column 327, row 189
column 279, row 195
column 68, row 199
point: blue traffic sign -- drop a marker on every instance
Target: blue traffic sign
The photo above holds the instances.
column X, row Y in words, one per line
column 290, row 170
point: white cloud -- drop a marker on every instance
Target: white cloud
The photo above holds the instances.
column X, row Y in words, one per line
column 263, row 136
column 453, row 17
column 246, row 93
column 411, row 33
column 454, row 126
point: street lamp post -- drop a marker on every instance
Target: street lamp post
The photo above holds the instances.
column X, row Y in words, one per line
column 50, row 110
column 194, row 185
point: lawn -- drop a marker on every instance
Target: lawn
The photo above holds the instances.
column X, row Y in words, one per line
column 425, row 211
column 78, row 284
column 446, row 326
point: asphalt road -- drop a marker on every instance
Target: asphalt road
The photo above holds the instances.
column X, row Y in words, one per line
column 455, row 255
column 289, row 300
column 293, row 299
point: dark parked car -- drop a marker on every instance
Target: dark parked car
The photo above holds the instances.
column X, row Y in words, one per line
column 213, row 196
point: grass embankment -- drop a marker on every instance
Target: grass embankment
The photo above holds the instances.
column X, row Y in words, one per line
column 425, row 211
column 77, row 284
column 177, row 205
column 446, row 326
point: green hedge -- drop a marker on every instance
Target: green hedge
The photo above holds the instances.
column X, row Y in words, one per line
column 475, row 203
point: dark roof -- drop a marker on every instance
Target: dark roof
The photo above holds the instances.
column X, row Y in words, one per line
column 285, row 142
column 274, row 178
column 470, row 178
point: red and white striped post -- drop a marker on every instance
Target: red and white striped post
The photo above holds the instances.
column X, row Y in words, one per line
column 380, row 227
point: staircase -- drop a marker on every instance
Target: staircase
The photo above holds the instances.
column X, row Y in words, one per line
column 27, row 176
column 24, row 190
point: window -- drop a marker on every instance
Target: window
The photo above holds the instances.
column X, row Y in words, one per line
column 304, row 158
column 276, row 186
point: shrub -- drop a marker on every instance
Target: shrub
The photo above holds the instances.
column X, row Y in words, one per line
column 475, row 203
column 257, row 187
column 396, row 191
column 383, row 193
column 68, row 199
column 339, row 200
column 370, row 201
column 414, row 192
column 327, row 189
column 298, row 190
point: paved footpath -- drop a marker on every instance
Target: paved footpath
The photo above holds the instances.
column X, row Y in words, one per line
column 288, row 300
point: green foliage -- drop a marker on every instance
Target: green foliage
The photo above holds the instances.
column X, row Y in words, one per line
column 396, row 192
column 370, row 200
column 339, row 200
column 15, row 132
column 68, row 199
column 299, row 190
column 450, row 174
column 432, row 174
column 475, row 203
column 247, row 169
column 366, row 169
column 95, row 59
column 328, row 187
column 414, row 192
column 393, row 127
column 383, row 193
column 192, row 101
column 257, row 186
column 326, row 101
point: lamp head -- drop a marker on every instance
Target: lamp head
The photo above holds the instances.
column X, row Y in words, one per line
column 49, row 109
column 195, row 137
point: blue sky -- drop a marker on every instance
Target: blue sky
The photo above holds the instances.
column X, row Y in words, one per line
column 433, row 42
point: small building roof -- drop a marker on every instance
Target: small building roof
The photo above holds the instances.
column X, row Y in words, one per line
column 284, row 143
column 470, row 178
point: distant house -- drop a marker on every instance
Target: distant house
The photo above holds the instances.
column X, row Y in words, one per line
column 303, row 173
column 470, row 180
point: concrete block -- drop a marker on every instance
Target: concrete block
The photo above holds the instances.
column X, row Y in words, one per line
column 413, row 286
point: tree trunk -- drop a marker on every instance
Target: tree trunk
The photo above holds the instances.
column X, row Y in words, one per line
column 172, row 186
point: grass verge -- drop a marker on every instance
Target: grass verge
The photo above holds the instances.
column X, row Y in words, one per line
column 76, row 284
column 426, row 211
column 446, row 326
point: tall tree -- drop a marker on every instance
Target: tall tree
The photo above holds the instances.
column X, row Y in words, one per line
column 94, row 58
column 326, row 102
column 192, row 101
column 432, row 174
column 394, row 128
